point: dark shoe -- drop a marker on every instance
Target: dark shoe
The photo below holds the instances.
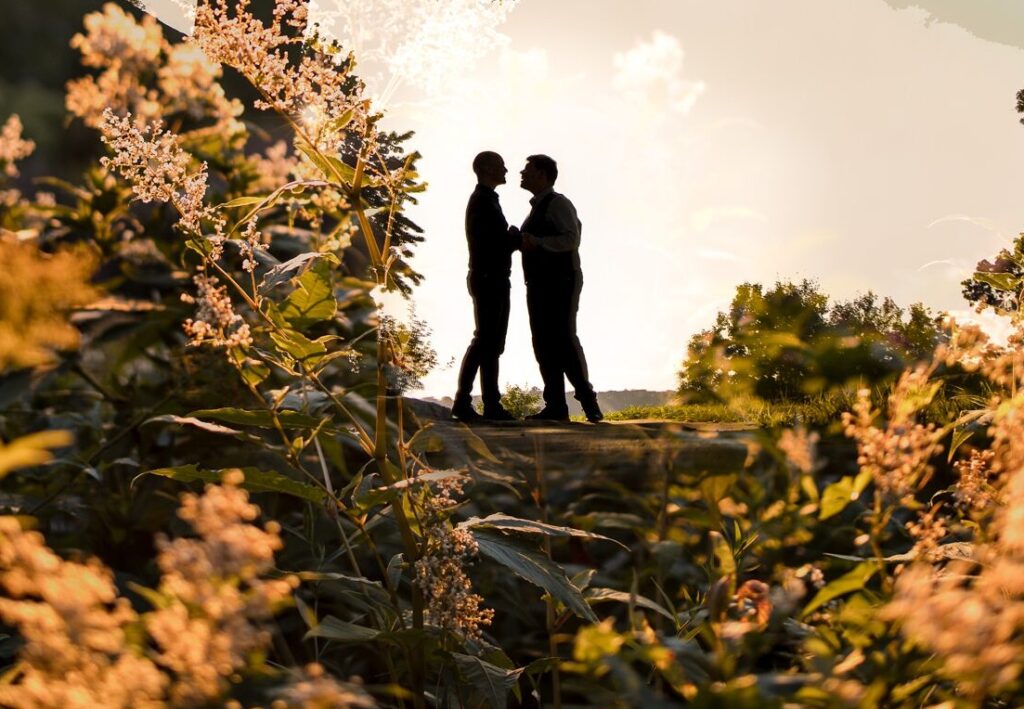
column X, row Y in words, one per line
column 499, row 413
column 466, row 413
column 593, row 413
column 547, row 414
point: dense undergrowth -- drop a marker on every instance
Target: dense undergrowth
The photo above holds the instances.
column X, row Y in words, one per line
column 212, row 495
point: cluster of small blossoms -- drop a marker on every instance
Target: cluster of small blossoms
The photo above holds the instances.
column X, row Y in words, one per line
column 927, row 530
column 274, row 168
column 251, row 241
column 12, row 146
column 312, row 90
column 314, row 689
column 897, row 456
column 440, row 571
column 153, row 162
column 189, row 83
column 220, row 601
column 73, row 625
column 973, row 487
column 114, row 37
column 216, row 321
column 973, row 623
column 748, row 610
column 129, row 53
column 800, row 448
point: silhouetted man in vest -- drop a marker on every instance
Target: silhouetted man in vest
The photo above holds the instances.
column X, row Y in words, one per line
column 551, row 263
column 490, row 263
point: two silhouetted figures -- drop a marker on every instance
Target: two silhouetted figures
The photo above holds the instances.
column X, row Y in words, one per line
column 549, row 240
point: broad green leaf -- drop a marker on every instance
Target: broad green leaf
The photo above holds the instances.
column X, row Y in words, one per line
column 722, row 553
column 197, row 423
column 853, row 580
column 536, row 568
column 241, row 202
column 597, row 595
column 959, row 438
column 261, row 418
column 331, row 167
column 283, row 271
column 33, row 449
column 528, row 526
column 493, row 683
column 332, row 628
column 714, row 487
column 255, row 480
column 313, row 300
column 999, row 281
column 836, row 497
column 298, row 346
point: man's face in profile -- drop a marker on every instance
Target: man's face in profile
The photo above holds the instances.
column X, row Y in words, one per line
column 495, row 171
column 532, row 179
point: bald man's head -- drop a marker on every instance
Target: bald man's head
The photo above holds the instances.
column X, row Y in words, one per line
column 490, row 169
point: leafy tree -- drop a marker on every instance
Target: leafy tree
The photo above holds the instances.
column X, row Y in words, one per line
column 787, row 343
column 520, row 401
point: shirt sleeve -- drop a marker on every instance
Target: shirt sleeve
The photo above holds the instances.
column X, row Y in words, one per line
column 563, row 217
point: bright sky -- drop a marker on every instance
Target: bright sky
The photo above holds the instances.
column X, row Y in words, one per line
column 859, row 142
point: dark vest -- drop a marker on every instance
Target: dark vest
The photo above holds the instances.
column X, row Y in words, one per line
column 541, row 265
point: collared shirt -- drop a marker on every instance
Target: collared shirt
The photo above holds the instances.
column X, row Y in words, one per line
column 490, row 246
column 562, row 215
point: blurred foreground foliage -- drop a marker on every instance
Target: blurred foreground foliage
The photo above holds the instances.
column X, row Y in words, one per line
column 198, row 314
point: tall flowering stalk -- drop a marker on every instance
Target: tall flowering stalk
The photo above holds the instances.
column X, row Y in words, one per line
column 344, row 168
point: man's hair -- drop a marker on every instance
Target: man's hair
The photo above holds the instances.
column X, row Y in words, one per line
column 545, row 164
column 481, row 161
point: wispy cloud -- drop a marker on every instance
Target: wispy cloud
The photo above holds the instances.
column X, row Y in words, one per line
column 983, row 222
column 703, row 219
column 651, row 74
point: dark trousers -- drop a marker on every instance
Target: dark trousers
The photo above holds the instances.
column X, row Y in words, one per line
column 490, row 313
column 552, row 302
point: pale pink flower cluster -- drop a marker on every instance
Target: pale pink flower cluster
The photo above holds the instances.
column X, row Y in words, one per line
column 74, row 625
column 153, row 162
column 219, row 598
column 441, row 570
column 800, row 448
column 973, row 623
column 897, row 456
column 216, row 321
column 189, row 83
column 314, row 689
column 114, row 37
column 251, row 241
column 274, row 168
column 12, row 146
column 973, row 485
column 313, row 90
column 129, row 54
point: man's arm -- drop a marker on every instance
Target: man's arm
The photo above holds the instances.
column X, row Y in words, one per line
column 563, row 216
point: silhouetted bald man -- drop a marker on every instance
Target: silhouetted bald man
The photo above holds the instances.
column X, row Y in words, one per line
column 490, row 264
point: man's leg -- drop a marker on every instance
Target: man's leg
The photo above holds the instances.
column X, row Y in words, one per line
column 573, row 359
column 493, row 329
column 462, row 407
column 543, row 326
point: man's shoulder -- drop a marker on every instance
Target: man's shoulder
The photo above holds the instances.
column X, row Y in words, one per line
column 483, row 196
column 561, row 200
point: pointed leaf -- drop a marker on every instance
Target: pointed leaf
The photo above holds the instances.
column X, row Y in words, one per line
column 536, row 568
column 528, row 526
column 493, row 683
column 332, row 628
column 851, row 581
column 255, row 480
column 312, row 301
